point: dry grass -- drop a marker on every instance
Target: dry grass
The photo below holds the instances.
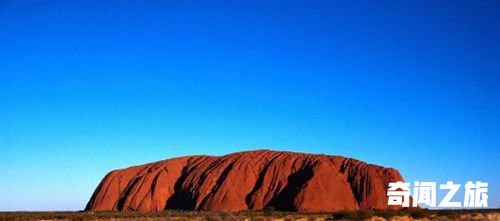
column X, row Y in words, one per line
column 373, row 215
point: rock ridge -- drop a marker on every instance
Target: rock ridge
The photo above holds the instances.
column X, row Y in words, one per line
column 250, row 180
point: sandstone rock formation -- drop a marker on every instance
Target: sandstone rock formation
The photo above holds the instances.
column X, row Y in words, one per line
column 246, row 180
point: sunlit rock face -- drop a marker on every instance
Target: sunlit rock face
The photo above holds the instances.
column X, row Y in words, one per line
column 250, row 180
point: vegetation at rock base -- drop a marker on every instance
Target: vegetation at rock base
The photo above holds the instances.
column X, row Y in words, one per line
column 269, row 214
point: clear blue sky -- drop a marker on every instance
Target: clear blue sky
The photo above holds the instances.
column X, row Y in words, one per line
column 87, row 87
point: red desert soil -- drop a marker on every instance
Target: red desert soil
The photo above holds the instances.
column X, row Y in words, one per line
column 253, row 180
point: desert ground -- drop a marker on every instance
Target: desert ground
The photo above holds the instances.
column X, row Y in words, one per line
column 372, row 215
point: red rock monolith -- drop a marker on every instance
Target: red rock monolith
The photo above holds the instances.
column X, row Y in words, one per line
column 251, row 180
